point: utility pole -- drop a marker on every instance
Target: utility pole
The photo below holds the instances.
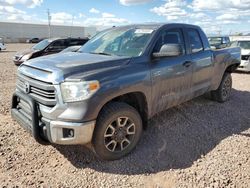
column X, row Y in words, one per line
column 72, row 22
column 49, row 19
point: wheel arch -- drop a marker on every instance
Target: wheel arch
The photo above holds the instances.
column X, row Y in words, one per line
column 231, row 68
column 135, row 99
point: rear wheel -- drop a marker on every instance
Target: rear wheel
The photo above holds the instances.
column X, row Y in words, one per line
column 118, row 130
column 223, row 93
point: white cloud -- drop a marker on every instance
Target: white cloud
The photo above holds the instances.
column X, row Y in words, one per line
column 10, row 10
column 133, row 2
column 205, row 5
column 107, row 15
column 81, row 15
column 227, row 17
column 198, row 15
column 219, row 15
column 13, row 14
column 94, row 11
column 19, row 17
column 28, row 3
column 61, row 18
column 107, row 19
column 172, row 9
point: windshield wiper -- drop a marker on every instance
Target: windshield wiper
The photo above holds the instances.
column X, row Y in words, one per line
column 101, row 53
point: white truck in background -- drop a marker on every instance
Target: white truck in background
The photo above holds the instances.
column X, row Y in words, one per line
column 2, row 46
column 244, row 44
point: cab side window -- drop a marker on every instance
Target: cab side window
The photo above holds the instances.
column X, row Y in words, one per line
column 195, row 41
column 172, row 36
column 57, row 45
column 76, row 42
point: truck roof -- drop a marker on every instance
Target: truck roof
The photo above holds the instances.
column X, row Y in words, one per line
column 65, row 38
column 217, row 36
column 157, row 25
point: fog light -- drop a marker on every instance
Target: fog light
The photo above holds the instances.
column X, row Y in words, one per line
column 68, row 133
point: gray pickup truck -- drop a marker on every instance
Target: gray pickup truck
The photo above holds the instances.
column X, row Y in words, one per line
column 105, row 93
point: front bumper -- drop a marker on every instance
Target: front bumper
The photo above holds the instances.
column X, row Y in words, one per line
column 2, row 47
column 68, row 133
column 26, row 112
column 17, row 62
column 244, row 65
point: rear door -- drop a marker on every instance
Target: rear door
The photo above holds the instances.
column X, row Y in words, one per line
column 202, row 62
column 171, row 76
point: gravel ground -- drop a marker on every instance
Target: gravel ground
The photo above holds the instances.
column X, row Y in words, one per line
column 200, row 143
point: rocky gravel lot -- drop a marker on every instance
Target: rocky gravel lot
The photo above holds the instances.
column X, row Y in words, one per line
column 200, row 143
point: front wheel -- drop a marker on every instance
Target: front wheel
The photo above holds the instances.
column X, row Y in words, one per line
column 223, row 93
column 118, row 130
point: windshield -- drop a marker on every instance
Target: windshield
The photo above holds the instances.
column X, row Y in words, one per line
column 119, row 42
column 214, row 40
column 242, row 44
column 41, row 45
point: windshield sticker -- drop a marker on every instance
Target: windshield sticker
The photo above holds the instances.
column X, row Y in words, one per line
column 144, row 31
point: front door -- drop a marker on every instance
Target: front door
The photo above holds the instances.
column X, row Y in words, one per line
column 171, row 76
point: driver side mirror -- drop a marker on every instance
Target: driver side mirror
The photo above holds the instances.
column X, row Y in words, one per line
column 169, row 50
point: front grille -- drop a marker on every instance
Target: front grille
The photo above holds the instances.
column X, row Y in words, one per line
column 43, row 92
column 245, row 57
column 24, row 108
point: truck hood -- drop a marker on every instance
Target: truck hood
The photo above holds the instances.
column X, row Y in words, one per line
column 245, row 52
column 56, row 68
column 25, row 52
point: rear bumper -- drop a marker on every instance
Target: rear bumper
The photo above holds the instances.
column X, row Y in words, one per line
column 25, row 111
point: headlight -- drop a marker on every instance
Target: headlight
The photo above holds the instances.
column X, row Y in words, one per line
column 26, row 57
column 78, row 91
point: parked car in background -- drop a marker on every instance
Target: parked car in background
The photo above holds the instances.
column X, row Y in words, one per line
column 71, row 49
column 245, row 54
column 47, row 47
column 2, row 46
column 33, row 40
column 219, row 42
column 105, row 93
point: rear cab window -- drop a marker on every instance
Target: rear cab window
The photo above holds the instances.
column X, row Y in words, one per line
column 195, row 41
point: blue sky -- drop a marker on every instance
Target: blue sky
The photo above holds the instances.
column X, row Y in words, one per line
column 220, row 16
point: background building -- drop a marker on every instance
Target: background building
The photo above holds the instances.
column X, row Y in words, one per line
column 20, row 32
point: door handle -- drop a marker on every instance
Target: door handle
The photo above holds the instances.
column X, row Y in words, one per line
column 187, row 63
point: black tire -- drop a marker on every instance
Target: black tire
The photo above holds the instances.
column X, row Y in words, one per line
column 222, row 94
column 110, row 137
